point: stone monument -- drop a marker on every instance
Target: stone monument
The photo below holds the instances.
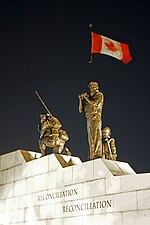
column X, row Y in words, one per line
column 60, row 189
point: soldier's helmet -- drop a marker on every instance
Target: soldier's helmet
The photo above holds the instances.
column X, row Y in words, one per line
column 43, row 116
column 106, row 132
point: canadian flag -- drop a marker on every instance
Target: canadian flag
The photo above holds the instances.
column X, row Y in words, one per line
column 107, row 46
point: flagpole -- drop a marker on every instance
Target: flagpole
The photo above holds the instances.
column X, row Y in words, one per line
column 90, row 54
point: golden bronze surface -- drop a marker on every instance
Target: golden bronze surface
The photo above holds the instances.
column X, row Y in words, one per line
column 109, row 146
column 51, row 135
column 92, row 103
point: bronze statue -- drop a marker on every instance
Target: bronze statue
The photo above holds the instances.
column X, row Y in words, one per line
column 92, row 103
column 52, row 136
column 50, row 133
column 109, row 146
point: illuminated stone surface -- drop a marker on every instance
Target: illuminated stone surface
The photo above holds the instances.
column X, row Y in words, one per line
column 61, row 190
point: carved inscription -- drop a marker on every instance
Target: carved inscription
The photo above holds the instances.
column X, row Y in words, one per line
column 87, row 206
column 58, row 194
column 83, row 205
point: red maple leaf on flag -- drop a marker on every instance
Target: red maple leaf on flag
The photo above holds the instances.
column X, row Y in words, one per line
column 110, row 45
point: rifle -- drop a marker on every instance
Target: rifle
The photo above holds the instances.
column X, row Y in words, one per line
column 41, row 100
column 54, row 120
column 109, row 149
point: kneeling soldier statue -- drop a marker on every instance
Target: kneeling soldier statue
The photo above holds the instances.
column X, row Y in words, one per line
column 51, row 135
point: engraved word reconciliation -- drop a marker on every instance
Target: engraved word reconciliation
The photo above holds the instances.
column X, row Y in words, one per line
column 58, row 194
column 87, row 206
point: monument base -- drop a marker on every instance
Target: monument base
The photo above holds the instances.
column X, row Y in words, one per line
column 61, row 190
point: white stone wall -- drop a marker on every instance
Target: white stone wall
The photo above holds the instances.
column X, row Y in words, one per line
column 97, row 192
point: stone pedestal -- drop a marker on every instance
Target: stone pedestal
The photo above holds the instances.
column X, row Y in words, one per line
column 61, row 190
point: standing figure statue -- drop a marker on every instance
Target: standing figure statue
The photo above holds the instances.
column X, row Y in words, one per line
column 92, row 103
column 51, row 135
column 109, row 146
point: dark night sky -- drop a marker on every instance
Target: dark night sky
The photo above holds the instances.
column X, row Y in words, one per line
column 44, row 46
